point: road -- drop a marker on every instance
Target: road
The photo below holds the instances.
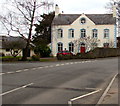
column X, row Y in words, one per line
column 55, row 82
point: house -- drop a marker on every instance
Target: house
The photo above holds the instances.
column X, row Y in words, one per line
column 67, row 29
column 17, row 43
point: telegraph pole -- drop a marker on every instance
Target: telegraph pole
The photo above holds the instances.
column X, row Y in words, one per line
column 118, row 26
column 118, row 16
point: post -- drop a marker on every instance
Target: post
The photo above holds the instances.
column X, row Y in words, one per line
column 70, row 103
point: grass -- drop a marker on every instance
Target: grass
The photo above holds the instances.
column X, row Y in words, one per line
column 47, row 60
column 5, row 57
column 8, row 58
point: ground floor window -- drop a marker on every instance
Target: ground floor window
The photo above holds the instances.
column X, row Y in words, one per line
column 71, row 47
column 60, row 46
column 106, row 45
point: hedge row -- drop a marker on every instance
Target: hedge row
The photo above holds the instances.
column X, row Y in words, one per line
column 96, row 53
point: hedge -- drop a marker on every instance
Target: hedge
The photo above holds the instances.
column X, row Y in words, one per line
column 96, row 53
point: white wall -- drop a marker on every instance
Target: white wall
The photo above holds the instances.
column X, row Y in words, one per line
column 7, row 53
column 76, row 25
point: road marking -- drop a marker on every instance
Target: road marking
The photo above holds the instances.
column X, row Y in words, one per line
column 107, row 89
column 19, row 71
column 51, row 66
column 25, row 69
column 57, row 65
column 16, row 89
column 46, row 66
column 34, row 68
column 10, row 72
column 2, row 73
column 71, row 63
column 88, row 94
column 67, row 63
column 40, row 67
column 27, row 85
column 75, row 62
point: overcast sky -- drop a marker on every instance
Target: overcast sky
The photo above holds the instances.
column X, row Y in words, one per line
column 74, row 7
column 82, row 6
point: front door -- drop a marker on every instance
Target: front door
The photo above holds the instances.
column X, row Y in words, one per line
column 82, row 48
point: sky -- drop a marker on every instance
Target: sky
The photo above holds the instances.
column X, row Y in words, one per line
column 74, row 7
column 82, row 6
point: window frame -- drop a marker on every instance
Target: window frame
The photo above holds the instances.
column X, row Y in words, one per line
column 106, row 45
column 106, row 33
column 83, row 33
column 95, row 33
column 60, row 33
column 82, row 20
column 71, row 47
column 71, row 33
column 59, row 46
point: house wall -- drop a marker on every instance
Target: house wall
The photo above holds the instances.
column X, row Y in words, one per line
column 76, row 25
column 7, row 53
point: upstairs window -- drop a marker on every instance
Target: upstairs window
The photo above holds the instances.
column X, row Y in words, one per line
column 106, row 33
column 83, row 33
column 94, row 33
column 71, row 33
column 60, row 33
column 82, row 20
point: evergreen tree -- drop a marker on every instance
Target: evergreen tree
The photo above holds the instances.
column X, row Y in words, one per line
column 43, row 30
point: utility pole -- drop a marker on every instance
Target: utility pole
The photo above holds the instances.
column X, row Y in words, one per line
column 118, row 16
column 118, row 26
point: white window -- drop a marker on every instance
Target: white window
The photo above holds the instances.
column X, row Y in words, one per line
column 106, row 45
column 71, row 33
column 60, row 33
column 60, row 46
column 71, row 47
column 106, row 33
column 94, row 33
column 82, row 20
column 83, row 33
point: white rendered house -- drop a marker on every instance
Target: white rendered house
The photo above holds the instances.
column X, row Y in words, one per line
column 68, row 28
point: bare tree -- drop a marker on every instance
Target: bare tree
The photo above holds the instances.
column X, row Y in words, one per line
column 21, row 17
column 90, row 43
column 109, row 5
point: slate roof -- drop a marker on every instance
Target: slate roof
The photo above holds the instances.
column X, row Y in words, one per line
column 98, row 19
column 5, row 39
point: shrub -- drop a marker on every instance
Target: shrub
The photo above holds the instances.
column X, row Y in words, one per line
column 96, row 53
column 42, row 50
column 64, row 57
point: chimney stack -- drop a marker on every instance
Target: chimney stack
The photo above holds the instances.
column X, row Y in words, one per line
column 114, row 10
column 57, row 11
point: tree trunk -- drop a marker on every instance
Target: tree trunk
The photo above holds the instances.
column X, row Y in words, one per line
column 24, row 58
column 25, row 53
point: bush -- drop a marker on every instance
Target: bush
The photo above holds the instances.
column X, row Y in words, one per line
column 36, row 58
column 96, row 53
column 64, row 57
column 42, row 50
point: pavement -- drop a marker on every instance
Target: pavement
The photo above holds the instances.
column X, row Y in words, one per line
column 112, row 95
